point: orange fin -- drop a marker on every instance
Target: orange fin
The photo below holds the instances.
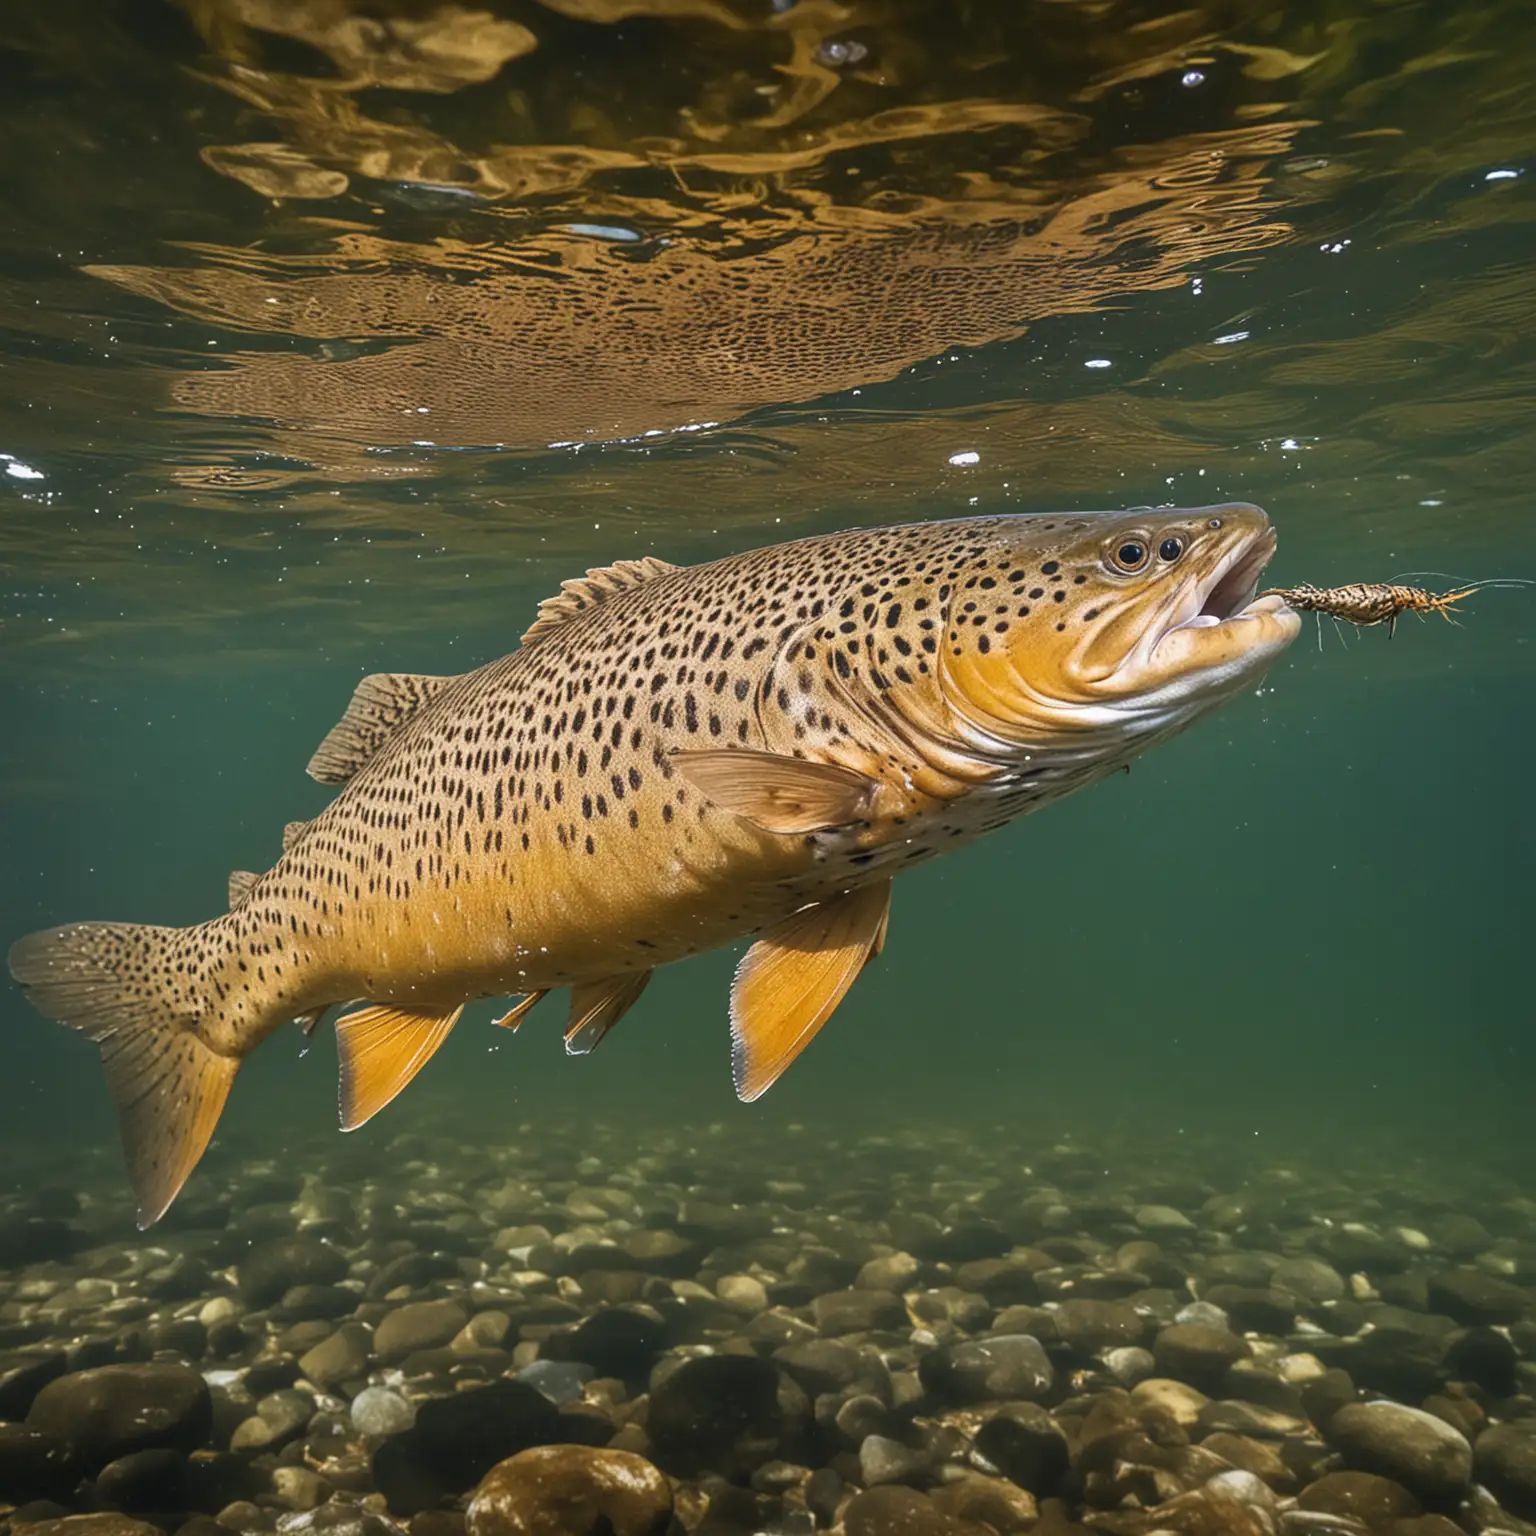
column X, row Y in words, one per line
column 122, row 985
column 597, row 586
column 779, row 793
column 596, row 1006
column 789, row 982
column 380, row 705
column 519, row 1011
column 382, row 1048
column 240, row 883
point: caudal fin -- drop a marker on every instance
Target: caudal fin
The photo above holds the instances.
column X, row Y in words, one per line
column 134, row 990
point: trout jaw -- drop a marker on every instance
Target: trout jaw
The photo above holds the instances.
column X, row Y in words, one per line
column 1217, row 636
column 1126, row 655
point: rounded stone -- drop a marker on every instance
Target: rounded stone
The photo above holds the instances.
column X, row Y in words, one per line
column 113, row 1410
column 896, row 1511
column 1411, row 1447
column 1162, row 1219
column 718, row 1413
column 999, row 1506
column 1484, row 1356
column 1024, row 1443
column 417, row 1325
column 571, row 1490
column 1006, row 1366
column 617, row 1342
column 1472, row 1296
column 380, row 1411
column 92, row 1525
column 33, row 1465
column 1313, row 1280
column 271, row 1269
column 1506, row 1464
column 340, row 1356
column 1183, row 1404
column 1361, row 1494
column 1090, row 1326
column 1193, row 1352
column 463, row 1436
column 840, row 1312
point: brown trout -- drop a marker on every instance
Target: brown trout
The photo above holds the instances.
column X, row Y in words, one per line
column 673, row 758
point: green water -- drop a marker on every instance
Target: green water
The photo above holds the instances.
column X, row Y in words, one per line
column 260, row 445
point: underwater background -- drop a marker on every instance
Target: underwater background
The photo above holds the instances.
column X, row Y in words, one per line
column 334, row 336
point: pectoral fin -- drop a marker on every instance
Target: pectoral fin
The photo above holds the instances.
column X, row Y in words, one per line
column 596, row 1006
column 519, row 1011
column 779, row 793
column 789, row 982
column 382, row 1048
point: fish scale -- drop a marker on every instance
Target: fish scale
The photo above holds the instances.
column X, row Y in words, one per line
column 673, row 758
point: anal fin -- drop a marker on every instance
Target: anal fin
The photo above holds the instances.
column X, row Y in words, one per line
column 596, row 1006
column 519, row 1011
column 776, row 792
column 382, row 1048
column 794, row 976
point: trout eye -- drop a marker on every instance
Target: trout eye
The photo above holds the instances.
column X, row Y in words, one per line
column 1131, row 555
column 1170, row 549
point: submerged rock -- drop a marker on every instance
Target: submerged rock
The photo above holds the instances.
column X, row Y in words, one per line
column 1412, row 1447
column 995, row 1369
column 571, row 1490
column 463, row 1436
column 718, row 1413
column 110, row 1411
column 276, row 1267
column 1506, row 1462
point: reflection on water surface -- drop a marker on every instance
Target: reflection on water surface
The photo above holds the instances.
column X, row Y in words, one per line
column 289, row 276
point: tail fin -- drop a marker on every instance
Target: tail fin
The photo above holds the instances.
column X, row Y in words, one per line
column 130, row 988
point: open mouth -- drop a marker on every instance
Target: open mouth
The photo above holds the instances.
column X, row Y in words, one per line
column 1227, row 593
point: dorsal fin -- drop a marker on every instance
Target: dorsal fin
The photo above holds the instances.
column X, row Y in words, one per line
column 240, row 883
column 380, row 705
column 292, row 832
column 597, row 586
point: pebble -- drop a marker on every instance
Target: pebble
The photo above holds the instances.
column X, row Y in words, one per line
column 381, row 1411
column 276, row 1267
column 718, row 1413
column 1506, row 1462
column 571, row 1490
column 112, row 1410
column 1474, row 1296
column 1005, row 1366
column 463, row 1436
column 894, row 1511
column 1412, row 1447
column 339, row 1356
column 929, row 1341
column 1360, row 1494
column 1196, row 1352
column 417, row 1325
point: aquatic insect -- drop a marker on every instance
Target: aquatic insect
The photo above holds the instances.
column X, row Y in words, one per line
column 1372, row 602
column 674, row 758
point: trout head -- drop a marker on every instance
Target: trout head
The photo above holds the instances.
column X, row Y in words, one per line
column 1095, row 635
